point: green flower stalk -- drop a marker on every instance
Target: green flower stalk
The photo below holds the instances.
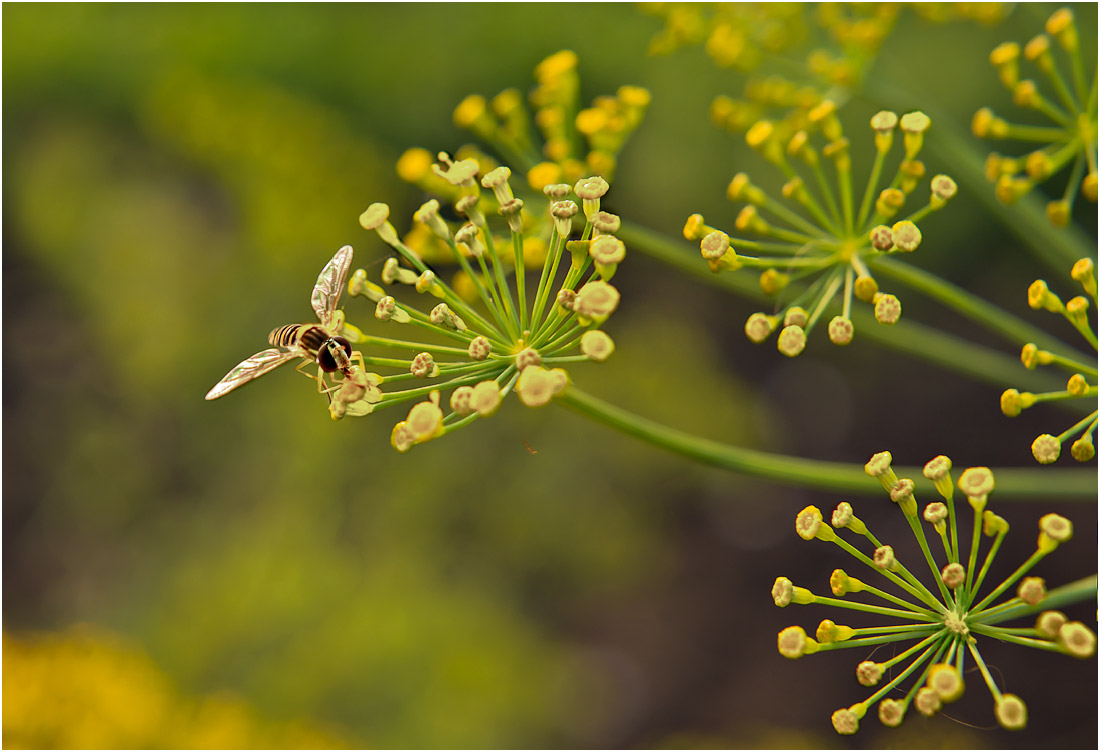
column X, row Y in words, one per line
column 518, row 339
column 1082, row 383
column 944, row 621
column 822, row 234
column 1068, row 140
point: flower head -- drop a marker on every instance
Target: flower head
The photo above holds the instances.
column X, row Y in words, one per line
column 559, row 143
column 825, row 239
column 844, row 40
column 1070, row 138
column 947, row 614
column 1047, row 448
column 516, row 339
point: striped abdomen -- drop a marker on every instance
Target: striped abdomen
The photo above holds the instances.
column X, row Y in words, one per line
column 307, row 336
column 318, row 344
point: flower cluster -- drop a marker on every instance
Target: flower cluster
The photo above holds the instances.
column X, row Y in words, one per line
column 945, row 621
column 1069, row 139
column 560, row 142
column 513, row 340
column 829, row 241
column 1047, row 448
column 845, row 39
column 846, row 36
column 85, row 688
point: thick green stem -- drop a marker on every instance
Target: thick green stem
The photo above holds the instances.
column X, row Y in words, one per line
column 1083, row 590
column 945, row 350
column 1012, row 483
column 1017, row 331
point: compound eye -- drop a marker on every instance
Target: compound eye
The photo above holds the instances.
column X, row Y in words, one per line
column 326, row 354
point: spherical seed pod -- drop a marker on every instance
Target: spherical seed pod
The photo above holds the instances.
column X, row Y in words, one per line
column 845, row 721
column 865, row 287
column 907, row 236
column 596, row 300
column 425, row 421
column 887, row 309
column 976, row 482
column 1049, row 623
column 479, row 348
column 759, row 327
column 423, row 366
column 882, row 238
column 841, row 330
column 944, row 679
column 1011, row 712
column 1077, row 639
column 879, row 464
column 1011, row 404
column 884, row 558
column 1083, row 449
column 461, row 400
column 927, row 702
column 793, row 642
column 891, row 712
column 869, row 673
column 792, row 340
column 842, row 515
column 953, row 575
column 486, row 398
column 808, row 523
column 1056, row 527
column 402, row 439
column 935, row 512
column 1032, row 590
column 1046, row 449
column 597, row 345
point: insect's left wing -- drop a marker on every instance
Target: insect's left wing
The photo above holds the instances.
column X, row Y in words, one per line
column 249, row 369
column 330, row 283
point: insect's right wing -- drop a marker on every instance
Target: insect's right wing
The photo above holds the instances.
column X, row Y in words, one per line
column 249, row 369
column 330, row 283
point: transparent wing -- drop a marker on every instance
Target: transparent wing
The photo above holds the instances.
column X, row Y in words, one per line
column 253, row 367
column 326, row 293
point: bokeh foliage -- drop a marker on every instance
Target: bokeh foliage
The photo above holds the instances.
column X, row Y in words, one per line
column 175, row 176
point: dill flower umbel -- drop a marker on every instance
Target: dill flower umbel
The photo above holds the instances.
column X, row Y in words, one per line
column 843, row 37
column 1069, row 139
column 1082, row 381
column 829, row 240
column 516, row 339
column 947, row 621
column 560, row 142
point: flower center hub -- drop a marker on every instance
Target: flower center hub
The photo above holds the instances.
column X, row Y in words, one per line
column 849, row 249
column 955, row 623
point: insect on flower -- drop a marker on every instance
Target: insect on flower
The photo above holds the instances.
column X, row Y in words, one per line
column 323, row 344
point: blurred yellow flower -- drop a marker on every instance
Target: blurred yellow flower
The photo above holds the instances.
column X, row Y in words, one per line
column 84, row 688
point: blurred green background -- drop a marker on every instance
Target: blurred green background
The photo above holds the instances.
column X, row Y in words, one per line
column 174, row 178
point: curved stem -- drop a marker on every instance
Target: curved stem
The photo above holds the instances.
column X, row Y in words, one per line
column 1017, row 331
column 1080, row 591
column 1012, row 483
column 945, row 350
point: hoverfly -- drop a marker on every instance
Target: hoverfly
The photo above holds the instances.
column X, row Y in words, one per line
column 322, row 344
